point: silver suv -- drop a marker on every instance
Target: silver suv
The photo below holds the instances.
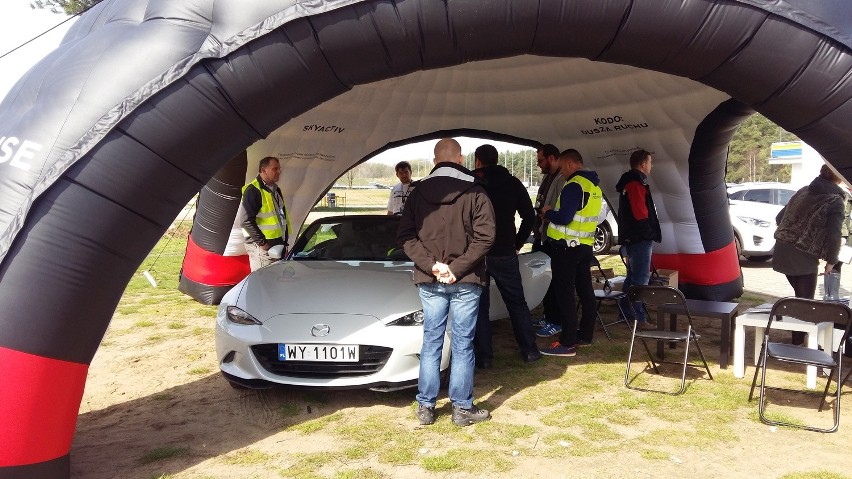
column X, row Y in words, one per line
column 753, row 207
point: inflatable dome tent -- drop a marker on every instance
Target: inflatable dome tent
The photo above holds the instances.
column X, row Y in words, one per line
column 148, row 102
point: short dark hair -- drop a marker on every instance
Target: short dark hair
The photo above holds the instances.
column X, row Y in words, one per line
column 549, row 150
column 638, row 157
column 487, row 154
column 265, row 162
column 572, row 155
column 826, row 173
column 402, row 165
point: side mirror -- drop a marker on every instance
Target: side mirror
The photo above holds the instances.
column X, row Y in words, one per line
column 276, row 252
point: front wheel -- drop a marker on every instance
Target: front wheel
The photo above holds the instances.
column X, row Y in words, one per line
column 739, row 245
column 603, row 240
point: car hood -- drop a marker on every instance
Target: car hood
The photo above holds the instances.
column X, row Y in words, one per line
column 753, row 209
column 380, row 289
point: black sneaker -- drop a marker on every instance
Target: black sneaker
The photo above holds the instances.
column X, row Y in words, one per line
column 466, row 417
column 531, row 357
column 426, row 415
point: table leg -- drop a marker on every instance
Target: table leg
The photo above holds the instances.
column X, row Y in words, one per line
column 724, row 343
column 758, row 342
column 827, row 338
column 739, row 351
column 672, row 327
column 813, row 343
column 661, row 326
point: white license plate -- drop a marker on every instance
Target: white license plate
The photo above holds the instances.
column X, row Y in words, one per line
column 345, row 353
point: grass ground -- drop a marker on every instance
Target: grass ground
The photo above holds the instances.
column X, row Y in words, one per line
column 155, row 407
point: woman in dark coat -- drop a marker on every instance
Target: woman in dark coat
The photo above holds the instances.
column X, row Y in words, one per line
column 809, row 230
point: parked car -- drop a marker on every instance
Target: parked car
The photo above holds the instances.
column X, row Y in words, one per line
column 606, row 234
column 753, row 208
column 340, row 311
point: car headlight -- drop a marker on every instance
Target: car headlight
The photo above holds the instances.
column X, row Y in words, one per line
column 754, row 221
column 237, row 315
column 410, row 319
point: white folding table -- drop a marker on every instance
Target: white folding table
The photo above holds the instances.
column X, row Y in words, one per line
column 818, row 334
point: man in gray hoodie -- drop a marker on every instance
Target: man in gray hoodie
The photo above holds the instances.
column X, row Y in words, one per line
column 447, row 228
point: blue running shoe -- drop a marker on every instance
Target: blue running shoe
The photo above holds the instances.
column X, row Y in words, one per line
column 548, row 330
column 557, row 349
column 539, row 323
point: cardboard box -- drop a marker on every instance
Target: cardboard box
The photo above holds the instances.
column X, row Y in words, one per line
column 598, row 275
column 615, row 282
column 671, row 274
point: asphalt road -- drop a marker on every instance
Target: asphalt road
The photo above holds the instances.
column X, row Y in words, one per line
column 760, row 278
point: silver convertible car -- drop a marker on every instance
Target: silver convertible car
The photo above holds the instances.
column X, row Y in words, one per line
column 340, row 311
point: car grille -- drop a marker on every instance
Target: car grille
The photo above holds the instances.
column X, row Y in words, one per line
column 373, row 359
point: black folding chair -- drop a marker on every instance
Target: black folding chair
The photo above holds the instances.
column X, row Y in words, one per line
column 812, row 311
column 656, row 296
column 607, row 294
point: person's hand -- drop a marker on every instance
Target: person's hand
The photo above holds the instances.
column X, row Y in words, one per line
column 266, row 246
column 440, row 270
column 828, row 268
column 448, row 278
column 545, row 209
column 442, row 273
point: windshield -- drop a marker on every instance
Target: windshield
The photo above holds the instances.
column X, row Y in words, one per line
column 363, row 238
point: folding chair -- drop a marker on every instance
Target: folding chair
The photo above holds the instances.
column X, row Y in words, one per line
column 812, row 311
column 848, row 353
column 607, row 294
column 656, row 296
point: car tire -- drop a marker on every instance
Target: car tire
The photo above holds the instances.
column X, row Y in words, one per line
column 739, row 245
column 603, row 239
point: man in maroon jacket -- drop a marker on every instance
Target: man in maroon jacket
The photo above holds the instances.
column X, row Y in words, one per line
column 638, row 226
column 447, row 228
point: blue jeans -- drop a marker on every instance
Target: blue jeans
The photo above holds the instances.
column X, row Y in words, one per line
column 462, row 301
column 506, row 272
column 638, row 272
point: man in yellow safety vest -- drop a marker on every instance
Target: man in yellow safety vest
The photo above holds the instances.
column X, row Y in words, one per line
column 570, row 236
column 265, row 221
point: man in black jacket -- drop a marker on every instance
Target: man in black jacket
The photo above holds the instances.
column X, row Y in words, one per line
column 508, row 195
column 263, row 215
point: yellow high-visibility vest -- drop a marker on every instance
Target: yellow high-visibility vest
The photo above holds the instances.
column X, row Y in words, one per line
column 582, row 226
column 267, row 218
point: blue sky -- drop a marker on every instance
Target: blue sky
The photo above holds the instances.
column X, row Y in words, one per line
column 18, row 24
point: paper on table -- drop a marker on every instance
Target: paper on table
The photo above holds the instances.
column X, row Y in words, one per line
column 760, row 308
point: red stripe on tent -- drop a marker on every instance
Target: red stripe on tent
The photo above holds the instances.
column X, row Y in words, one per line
column 39, row 401
column 716, row 267
column 204, row 267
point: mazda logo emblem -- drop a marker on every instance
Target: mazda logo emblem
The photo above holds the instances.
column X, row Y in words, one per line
column 320, row 330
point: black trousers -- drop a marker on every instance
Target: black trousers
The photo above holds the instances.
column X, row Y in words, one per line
column 572, row 272
column 804, row 286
